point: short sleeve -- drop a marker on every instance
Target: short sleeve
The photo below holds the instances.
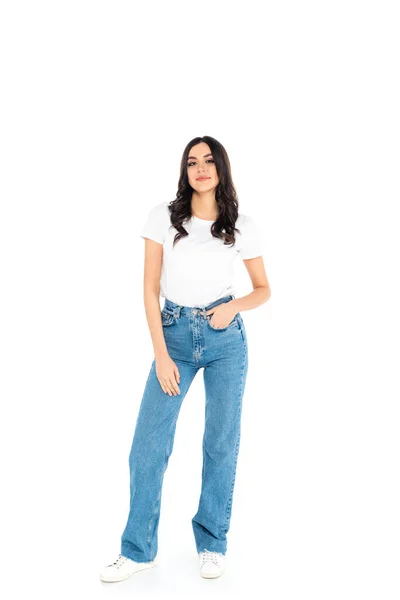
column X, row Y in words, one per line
column 157, row 223
column 251, row 240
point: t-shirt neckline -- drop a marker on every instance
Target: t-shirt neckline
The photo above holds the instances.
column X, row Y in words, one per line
column 203, row 220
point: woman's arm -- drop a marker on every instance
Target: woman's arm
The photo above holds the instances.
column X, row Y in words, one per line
column 151, row 294
column 261, row 290
column 166, row 369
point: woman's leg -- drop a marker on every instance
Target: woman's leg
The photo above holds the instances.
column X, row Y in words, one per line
column 151, row 448
column 226, row 365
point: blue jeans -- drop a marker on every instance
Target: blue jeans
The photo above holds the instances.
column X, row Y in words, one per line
column 192, row 343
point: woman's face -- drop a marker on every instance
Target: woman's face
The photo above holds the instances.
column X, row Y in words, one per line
column 201, row 170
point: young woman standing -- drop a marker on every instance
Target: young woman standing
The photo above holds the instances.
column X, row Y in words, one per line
column 190, row 248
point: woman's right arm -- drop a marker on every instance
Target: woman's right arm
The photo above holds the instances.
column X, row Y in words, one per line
column 166, row 369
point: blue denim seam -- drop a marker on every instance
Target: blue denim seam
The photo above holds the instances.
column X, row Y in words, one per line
column 158, row 502
column 151, row 521
column 140, row 408
column 229, row 505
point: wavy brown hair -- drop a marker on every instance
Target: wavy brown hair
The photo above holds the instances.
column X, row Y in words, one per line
column 225, row 194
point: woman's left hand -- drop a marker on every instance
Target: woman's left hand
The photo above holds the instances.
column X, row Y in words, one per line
column 222, row 315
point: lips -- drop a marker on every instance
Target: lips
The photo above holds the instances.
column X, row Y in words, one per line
column 202, row 178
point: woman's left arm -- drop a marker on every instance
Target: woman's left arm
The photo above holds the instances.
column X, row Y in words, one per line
column 261, row 289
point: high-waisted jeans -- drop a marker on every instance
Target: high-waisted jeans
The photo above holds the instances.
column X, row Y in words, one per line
column 192, row 343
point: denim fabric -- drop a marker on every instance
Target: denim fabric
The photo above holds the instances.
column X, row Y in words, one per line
column 192, row 343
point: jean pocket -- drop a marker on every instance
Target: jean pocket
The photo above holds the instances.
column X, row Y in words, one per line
column 167, row 317
column 233, row 323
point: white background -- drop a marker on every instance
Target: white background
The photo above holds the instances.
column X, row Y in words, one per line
column 98, row 100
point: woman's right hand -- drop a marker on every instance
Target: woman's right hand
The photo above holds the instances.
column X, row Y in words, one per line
column 168, row 374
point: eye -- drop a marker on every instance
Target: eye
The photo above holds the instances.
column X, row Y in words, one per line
column 194, row 162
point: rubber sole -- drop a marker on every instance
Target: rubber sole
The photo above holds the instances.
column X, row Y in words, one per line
column 112, row 579
column 211, row 575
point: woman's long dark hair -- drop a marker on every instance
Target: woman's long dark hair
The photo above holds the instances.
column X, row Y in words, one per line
column 225, row 194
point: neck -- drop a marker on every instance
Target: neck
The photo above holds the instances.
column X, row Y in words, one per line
column 204, row 205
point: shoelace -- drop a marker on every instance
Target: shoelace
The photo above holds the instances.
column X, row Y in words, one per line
column 119, row 562
column 211, row 556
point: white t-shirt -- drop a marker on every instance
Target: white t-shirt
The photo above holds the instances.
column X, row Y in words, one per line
column 200, row 268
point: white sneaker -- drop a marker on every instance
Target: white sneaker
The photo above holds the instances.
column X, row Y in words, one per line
column 123, row 568
column 212, row 564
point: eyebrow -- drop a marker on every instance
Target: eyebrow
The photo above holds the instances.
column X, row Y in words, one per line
column 204, row 155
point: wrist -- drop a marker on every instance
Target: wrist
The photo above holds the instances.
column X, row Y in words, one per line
column 161, row 353
column 234, row 306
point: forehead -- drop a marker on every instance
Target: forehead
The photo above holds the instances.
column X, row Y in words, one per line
column 199, row 150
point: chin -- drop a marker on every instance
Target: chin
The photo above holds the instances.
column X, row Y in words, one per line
column 200, row 187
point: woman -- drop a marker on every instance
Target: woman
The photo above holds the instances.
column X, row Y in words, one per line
column 190, row 248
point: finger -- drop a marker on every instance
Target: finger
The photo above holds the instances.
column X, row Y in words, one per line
column 170, row 388
column 164, row 387
column 175, row 386
column 174, row 380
